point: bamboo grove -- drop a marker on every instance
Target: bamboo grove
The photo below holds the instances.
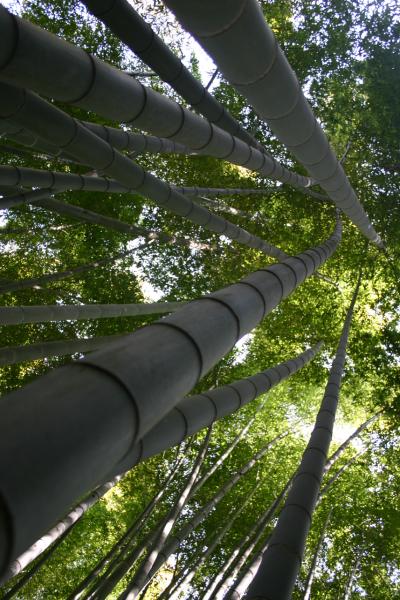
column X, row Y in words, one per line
column 199, row 300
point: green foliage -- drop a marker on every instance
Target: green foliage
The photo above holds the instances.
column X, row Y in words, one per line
column 348, row 60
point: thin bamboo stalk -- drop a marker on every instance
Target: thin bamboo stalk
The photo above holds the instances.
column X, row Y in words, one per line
column 236, row 583
column 58, row 180
column 311, row 571
column 43, row 280
column 338, row 453
column 135, row 585
column 47, row 120
column 202, row 554
column 282, row 559
column 175, row 539
column 15, row 315
column 58, row 530
column 11, row 355
column 127, row 538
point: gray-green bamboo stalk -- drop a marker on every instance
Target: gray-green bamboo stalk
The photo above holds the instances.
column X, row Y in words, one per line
column 14, row 176
column 282, row 559
column 44, row 557
column 182, row 346
column 210, row 471
column 201, row 555
column 198, row 411
column 15, row 315
column 133, row 30
column 42, row 117
column 261, row 73
column 325, row 489
column 58, row 530
column 248, row 575
column 43, row 199
column 123, row 564
column 233, row 584
column 311, row 571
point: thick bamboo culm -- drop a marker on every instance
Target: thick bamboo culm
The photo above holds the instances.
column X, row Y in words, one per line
column 182, row 347
column 129, row 26
column 148, row 372
column 262, row 74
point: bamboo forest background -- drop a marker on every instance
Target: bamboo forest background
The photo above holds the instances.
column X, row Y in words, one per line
column 346, row 56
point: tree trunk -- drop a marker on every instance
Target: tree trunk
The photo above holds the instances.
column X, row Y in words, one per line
column 311, row 572
column 282, row 559
column 277, row 97
column 13, row 315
